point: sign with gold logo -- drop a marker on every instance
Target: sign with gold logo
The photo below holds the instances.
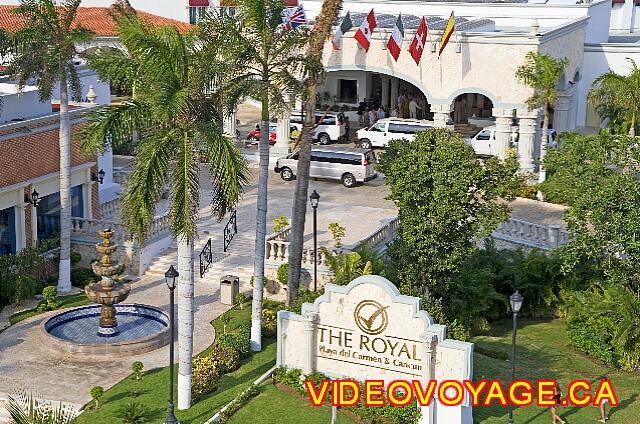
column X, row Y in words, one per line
column 367, row 330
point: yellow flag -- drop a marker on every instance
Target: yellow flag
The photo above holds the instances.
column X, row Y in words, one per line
column 446, row 35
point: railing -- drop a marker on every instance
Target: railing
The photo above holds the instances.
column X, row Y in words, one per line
column 121, row 176
column 528, row 234
column 206, row 258
column 381, row 238
column 230, row 230
column 88, row 228
column 110, row 209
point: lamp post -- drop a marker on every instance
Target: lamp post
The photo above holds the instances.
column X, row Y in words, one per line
column 315, row 199
column 516, row 300
column 170, row 279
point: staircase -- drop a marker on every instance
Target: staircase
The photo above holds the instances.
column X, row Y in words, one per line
column 467, row 130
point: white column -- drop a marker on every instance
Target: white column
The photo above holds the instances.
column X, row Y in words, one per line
column 504, row 118
column 309, row 342
column 429, row 342
column 229, row 125
column 528, row 128
column 283, row 134
column 20, row 216
column 385, row 90
column 441, row 114
column 395, row 86
column 87, row 200
column 562, row 110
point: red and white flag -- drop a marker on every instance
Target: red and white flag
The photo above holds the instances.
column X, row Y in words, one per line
column 363, row 35
column 419, row 40
column 397, row 38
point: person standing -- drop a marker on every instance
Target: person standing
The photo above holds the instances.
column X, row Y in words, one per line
column 400, row 102
column 557, row 395
column 361, row 116
column 373, row 116
column 381, row 113
column 405, row 106
column 413, row 108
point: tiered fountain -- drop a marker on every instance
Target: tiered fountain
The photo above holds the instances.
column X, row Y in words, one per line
column 110, row 327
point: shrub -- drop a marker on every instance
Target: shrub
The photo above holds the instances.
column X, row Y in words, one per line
column 528, row 191
column 51, row 302
column 281, row 223
column 304, row 296
column 226, row 358
column 137, row 368
column 226, row 319
column 132, row 413
column 239, row 341
column 96, row 394
column 290, row 377
column 75, row 258
column 283, row 274
column 269, row 322
column 204, row 376
column 241, row 298
column 337, row 233
column 26, row 287
column 80, row 277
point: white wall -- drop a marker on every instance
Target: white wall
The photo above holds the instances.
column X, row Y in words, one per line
column 625, row 17
column 23, row 105
column 331, row 83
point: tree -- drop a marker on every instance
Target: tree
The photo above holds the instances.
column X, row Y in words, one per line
column 178, row 112
column 603, row 219
column 44, row 50
column 96, row 393
column 447, row 199
column 320, row 33
column 346, row 267
column 267, row 60
column 24, row 408
column 542, row 72
column 617, row 97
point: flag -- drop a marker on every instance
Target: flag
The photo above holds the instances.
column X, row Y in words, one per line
column 397, row 37
column 419, row 40
column 363, row 34
column 345, row 26
column 446, row 34
column 296, row 19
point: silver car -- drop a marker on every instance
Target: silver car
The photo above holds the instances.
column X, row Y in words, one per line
column 351, row 166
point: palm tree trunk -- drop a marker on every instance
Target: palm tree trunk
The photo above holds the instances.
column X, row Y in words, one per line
column 261, row 228
column 319, row 34
column 542, row 173
column 185, row 320
column 299, row 212
column 64, row 273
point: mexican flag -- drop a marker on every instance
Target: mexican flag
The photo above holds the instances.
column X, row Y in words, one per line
column 397, row 37
column 363, row 35
column 345, row 26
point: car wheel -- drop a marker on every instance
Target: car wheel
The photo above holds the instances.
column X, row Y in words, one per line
column 365, row 143
column 286, row 174
column 324, row 138
column 348, row 180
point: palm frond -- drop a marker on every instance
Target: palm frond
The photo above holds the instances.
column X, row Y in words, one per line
column 185, row 193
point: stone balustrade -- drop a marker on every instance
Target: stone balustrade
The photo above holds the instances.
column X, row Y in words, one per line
column 528, row 234
column 110, row 209
column 88, row 228
column 381, row 237
column 120, row 176
column 160, row 227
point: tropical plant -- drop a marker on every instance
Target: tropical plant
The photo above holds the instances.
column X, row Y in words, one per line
column 96, row 394
column 205, row 375
column 137, row 368
column 241, row 298
column 283, row 273
column 319, row 34
column 43, row 51
column 132, row 413
column 281, row 223
column 24, row 408
column 337, row 234
column 346, row 266
column 226, row 358
column 541, row 72
column 617, row 99
column 178, row 112
column 446, row 200
column 51, row 302
column 266, row 59
column 226, row 319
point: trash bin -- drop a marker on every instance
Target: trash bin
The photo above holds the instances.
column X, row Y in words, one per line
column 229, row 288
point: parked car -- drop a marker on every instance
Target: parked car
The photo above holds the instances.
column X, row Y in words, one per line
column 349, row 165
column 484, row 142
column 254, row 136
column 387, row 129
column 330, row 127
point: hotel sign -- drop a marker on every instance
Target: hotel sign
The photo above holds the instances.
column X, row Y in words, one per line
column 368, row 330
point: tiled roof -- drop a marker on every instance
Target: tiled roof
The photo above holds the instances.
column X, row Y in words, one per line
column 96, row 19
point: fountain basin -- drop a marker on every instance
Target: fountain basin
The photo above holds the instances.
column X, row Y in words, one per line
column 141, row 328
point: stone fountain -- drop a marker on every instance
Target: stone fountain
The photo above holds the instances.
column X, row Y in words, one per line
column 106, row 292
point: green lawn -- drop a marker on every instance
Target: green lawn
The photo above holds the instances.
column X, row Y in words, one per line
column 544, row 352
column 71, row 301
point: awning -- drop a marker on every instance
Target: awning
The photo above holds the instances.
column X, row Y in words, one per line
column 199, row 3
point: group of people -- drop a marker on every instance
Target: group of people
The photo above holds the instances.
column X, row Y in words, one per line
column 557, row 397
column 408, row 106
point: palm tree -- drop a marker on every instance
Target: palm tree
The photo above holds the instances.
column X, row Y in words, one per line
column 44, row 50
column 24, row 408
column 320, row 33
column 177, row 112
column 267, row 60
column 618, row 97
column 542, row 72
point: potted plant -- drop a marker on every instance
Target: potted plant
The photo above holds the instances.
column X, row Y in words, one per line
column 337, row 233
column 281, row 223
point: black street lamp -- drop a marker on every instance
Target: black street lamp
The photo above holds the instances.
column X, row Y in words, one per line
column 99, row 177
column 516, row 300
column 315, row 199
column 32, row 199
column 170, row 279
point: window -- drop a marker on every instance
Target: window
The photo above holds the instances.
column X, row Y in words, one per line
column 327, row 120
column 7, row 231
column 341, row 158
column 48, row 212
column 347, row 91
column 379, row 127
column 196, row 13
column 483, row 135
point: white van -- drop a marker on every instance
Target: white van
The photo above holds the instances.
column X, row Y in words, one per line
column 330, row 127
column 484, row 142
column 387, row 129
column 351, row 166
